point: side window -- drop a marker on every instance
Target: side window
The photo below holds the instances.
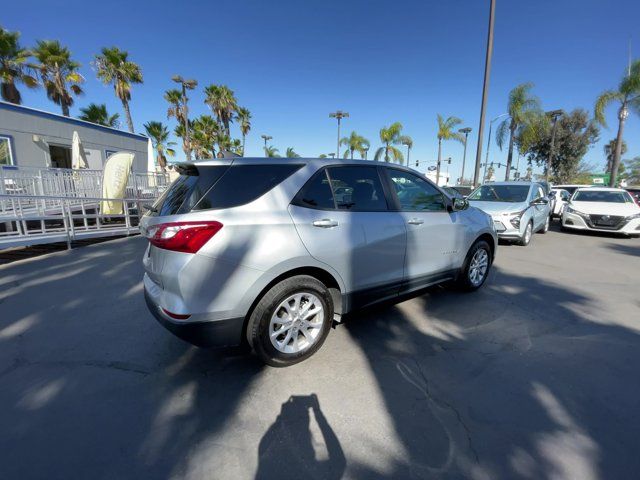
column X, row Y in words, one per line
column 415, row 194
column 540, row 193
column 316, row 193
column 565, row 196
column 357, row 188
column 6, row 157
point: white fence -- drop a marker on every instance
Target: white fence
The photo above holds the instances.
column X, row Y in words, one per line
column 46, row 205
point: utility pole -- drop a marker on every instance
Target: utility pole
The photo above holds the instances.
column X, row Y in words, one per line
column 339, row 115
column 186, row 84
column 266, row 138
column 554, row 114
column 466, row 132
column 485, row 89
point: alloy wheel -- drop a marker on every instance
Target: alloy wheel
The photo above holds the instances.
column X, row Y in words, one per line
column 296, row 323
column 478, row 267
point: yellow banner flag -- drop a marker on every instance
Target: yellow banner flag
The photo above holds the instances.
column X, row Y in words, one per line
column 114, row 182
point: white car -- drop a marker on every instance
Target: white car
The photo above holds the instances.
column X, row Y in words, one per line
column 561, row 198
column 602, row 209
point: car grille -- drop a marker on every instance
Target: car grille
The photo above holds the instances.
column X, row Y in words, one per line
column 607, row 222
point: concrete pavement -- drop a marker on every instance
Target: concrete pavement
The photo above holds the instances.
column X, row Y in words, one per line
column 535, row 376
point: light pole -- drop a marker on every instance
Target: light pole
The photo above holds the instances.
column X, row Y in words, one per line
column 466, row 132
column 339, row 115
column 485, row 89
column 554, row 114
column 266, row 139
column 486, row 159
column 186, row 84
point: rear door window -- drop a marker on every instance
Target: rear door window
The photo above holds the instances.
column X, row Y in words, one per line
column 357, row 188
column 242, row 184
column 316, row 193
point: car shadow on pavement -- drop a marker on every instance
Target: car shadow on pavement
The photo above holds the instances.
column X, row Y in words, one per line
column 522, row 379
column 633, row 250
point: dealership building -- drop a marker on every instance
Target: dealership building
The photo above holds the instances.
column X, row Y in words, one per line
column 34, row 138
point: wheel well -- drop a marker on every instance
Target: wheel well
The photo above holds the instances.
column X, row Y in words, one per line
column 315, row 272
column 489, row 239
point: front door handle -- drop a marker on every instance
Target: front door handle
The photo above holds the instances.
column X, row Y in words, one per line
column 415, row 221
column 325, row 223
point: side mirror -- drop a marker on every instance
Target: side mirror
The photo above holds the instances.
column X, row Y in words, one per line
column 459, row 204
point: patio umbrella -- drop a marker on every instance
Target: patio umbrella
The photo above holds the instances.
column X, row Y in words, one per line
column 151, row 161
column 78, row 155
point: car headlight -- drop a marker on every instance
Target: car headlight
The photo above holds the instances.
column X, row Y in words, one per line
column 576, row 212
column 632, row 217
column 514, row 218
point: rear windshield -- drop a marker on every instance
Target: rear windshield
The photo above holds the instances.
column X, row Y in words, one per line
column 217, row 187
column 501, row 193
column 601, row 196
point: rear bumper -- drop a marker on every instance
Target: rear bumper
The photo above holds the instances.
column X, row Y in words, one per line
column 214, row 333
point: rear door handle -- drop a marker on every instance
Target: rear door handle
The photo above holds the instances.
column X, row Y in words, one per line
column 415, row 221
column 325, row 223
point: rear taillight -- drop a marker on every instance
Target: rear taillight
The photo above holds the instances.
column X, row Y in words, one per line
column 186, row 237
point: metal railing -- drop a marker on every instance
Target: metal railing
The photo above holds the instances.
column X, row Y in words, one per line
column 46, row 205
column 37, row 219
column 67, row 182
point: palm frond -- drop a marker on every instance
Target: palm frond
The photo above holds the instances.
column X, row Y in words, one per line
column 379, row 154
column 602, row 102
column 502, row 132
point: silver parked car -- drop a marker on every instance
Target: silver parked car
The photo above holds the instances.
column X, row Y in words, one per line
column 270, row 252
column 519, row 209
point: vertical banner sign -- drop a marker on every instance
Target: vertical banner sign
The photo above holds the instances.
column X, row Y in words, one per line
column 114, row 182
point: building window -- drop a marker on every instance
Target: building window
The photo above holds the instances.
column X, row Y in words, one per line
column 108, row 153
column 6, row 157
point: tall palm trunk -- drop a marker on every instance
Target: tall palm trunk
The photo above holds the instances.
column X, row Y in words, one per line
column 10, row 93
column 408, row 153
column 512, row 133
column 623, row 113
column 243, row 137
column 65, row 108
column 386, row 153
column 351, row 153
column 127, row 112
column 439, row 159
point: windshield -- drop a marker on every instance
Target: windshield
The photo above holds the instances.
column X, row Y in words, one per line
column 501, row 193
column 601, row 196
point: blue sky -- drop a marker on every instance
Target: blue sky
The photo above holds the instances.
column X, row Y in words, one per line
column 293, row 62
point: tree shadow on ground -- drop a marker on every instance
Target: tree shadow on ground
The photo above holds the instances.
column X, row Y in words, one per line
column 522, row 379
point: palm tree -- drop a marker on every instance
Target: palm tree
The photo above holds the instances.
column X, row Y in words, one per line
column 522, row 108
column 181, row 132
column 159, row 134
column 271, row 151
column 243, row 117
column 628, row 95
column 610, row 150
column 95, row 113
column 447, row 131
column 291, row 153
column 114, row 67
column 407, row 141
column 223, row 103
column 59, row 74
column 390, row 136
column 14, row 67
column 205, row 135
column 174, row 97
column 354, row 143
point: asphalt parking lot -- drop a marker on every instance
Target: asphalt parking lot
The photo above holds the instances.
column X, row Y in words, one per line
column 535, row 376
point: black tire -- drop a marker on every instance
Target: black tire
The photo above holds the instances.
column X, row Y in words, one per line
column 546, row 226
column 463, row 281
column 258, row 325
column 526, row 239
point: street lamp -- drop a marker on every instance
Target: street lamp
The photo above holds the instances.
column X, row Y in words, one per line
column 332, row 154
column 485, row 89
column 339, row 115
column 266, row 139
column 486, row 159
column 466, row 132
column 553, row 114
column 186, row 84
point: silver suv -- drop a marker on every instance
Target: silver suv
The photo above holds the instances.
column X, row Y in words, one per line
column 271, row 252
column 519, row 209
